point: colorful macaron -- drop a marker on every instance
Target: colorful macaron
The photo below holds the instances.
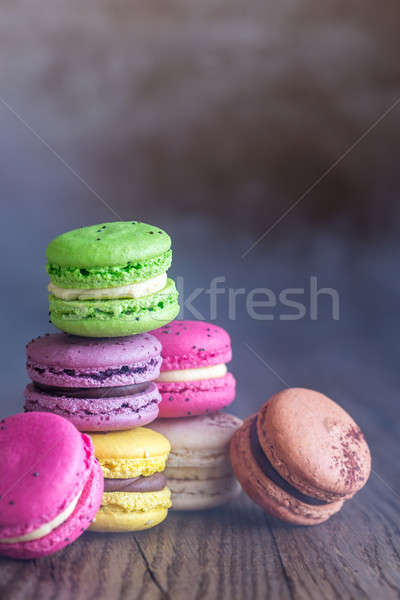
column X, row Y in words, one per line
column 110, row 280
column 194, row 379
column 135, row 493
column 99, row 385
column 50, row 484
column 300, row 457
column 199, row 471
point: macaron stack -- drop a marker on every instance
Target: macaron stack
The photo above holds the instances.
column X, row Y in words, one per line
column 108, row 289
column 195, row 384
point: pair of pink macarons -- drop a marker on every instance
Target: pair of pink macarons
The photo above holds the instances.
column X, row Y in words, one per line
column 109, row 384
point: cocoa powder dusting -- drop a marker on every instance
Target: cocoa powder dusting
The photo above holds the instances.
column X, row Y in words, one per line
column 347, row 458
column 355, row 433
column 350, row 459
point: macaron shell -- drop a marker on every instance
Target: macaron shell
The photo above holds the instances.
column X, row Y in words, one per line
column 199, row 445
column 208, row 435
column 117, row 422
column 202, row 494
column 192, row 344
column 45, row 459
column 95, row 377
column 217, row 467
column 83, row 515
column 103, row 414
column 115, row 521
column 137, row 501
column 106, row 244
column 146, row 320
column 264, row 492
column 185, row 399
column 109, row 277
column 62, row 351
column 136, row 443
column 314, row 444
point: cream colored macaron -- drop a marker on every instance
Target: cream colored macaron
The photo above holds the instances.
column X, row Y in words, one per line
column 198, row 470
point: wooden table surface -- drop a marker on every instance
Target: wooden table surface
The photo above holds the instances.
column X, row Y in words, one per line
column 235, row 552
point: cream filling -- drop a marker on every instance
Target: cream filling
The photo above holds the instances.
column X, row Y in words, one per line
column 134, row 290
column 212, row 372
column 46, row 528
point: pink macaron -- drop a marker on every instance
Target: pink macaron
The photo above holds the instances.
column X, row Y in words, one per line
column 50, row 484
column 98, row 384
column 194, row 379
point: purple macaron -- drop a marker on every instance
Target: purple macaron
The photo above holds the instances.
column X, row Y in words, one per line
column 98, row 384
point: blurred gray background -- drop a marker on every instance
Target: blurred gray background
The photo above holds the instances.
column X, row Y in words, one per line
column 211, row 119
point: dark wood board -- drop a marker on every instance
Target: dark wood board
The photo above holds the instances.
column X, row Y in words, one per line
column 235, row 552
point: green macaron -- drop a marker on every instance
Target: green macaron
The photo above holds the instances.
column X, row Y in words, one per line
column 110, row 279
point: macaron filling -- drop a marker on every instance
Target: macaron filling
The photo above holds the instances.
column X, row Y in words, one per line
column 95, row 393
column 47, row 527
column 66, row 276
column 197, row 374
column 133, row 290
column 269, row 471
column 152, row 483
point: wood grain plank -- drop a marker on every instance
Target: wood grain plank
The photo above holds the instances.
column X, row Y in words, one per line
column 97, row 566
column 222, row 553
column 235, row 552
column 354, row 555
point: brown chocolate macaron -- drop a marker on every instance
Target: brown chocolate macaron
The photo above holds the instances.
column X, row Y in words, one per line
column 301, row 457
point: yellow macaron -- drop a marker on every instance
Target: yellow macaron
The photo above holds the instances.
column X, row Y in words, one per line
column 135, row 496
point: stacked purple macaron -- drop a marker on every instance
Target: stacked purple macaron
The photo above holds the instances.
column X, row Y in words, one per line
column 98, row 384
